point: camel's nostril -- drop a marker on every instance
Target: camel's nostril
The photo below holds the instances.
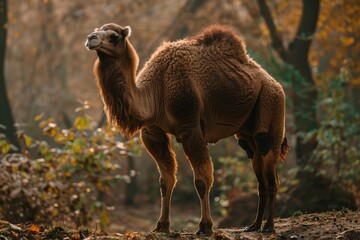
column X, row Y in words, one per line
column 92, row 37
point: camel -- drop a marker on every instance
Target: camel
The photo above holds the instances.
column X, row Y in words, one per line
column 200, row 90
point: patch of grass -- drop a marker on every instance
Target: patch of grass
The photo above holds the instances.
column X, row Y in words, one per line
column 296, row 213
column 344, row 210
column 56, row 232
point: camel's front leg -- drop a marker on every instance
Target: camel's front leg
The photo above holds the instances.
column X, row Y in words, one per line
column 195, row 149
column 157, row 144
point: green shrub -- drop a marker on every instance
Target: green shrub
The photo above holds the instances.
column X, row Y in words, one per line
column 64, row 177
column 338, row 136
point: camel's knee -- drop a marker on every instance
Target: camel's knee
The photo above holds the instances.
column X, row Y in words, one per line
column 167, row 182
column 263, row 142
column 263, row 190
column 203, row 179
column 246, row 146
column 200, row 187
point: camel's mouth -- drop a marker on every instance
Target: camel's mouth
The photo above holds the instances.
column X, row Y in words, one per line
column 93, row 42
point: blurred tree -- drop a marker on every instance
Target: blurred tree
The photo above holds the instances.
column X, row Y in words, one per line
column 131, row 187
column 304, row 91
column 178, row 28
column 6, row 117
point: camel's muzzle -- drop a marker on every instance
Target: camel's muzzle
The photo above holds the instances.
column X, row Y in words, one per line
column 93, row 41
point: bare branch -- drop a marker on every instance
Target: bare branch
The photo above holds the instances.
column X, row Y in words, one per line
column 277, row 42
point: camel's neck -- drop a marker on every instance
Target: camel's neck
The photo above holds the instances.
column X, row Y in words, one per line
column 122, row 98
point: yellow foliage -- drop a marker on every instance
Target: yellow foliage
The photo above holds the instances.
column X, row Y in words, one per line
column 355, row 81
column 67, row 174
column 48, row 176
column 347, row 41
column 5, row 147
column 27, row 140
column 39, row 117
column 82, row 123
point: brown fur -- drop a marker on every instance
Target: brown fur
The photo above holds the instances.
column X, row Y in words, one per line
column 216, row 34
column 200, row 90
column 284, row 150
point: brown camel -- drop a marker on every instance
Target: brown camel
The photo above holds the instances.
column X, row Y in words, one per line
column 200, row 90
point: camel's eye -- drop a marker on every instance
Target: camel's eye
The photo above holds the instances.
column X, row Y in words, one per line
column 114, row 37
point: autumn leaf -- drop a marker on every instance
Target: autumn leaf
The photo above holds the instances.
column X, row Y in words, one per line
column 347, row 41
column 34, row 229
column 14, row 234
column 39, row 117
column 67, row 174
column 82, row 123
column 76, row 236
column 27, row 140
column 5, row 148
column 132, row 235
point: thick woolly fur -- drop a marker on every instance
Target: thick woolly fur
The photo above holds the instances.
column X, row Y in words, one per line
column 212, row 78
column 200, row 90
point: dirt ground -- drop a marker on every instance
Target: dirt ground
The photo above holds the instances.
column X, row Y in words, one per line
column 343, row 225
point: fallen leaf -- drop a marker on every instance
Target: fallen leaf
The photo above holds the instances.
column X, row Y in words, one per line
column 14, row 234
column 34, row 229
column 75, row 236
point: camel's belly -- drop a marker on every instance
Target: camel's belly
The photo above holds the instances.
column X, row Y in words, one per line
column 219, row 130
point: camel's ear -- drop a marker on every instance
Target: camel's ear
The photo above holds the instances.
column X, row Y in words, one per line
column 126, row 32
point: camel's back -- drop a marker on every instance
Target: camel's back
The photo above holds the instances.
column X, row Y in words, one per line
column 209, row 74
column 217, row 48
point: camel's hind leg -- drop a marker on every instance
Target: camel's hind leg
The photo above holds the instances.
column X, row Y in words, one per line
column 268, row 136
column 265, row 168
column 263, row 194
column 195, row 149
column 157, row 144
column 273, row 185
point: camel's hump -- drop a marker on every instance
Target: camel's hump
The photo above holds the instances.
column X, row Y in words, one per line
column 215, row 34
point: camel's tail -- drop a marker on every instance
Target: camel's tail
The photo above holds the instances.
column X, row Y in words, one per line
column 284, row 149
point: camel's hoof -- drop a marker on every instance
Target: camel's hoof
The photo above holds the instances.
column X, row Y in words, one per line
column 266, row 229
column 205, row 229
column 205, row 232
column 162, row 227
column 251, row 228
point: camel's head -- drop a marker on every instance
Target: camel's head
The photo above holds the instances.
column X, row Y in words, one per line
column 110, row 40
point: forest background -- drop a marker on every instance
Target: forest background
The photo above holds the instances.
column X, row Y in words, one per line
column 60, row 162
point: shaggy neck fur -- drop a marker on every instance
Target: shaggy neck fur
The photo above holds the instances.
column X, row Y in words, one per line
column 116, row 82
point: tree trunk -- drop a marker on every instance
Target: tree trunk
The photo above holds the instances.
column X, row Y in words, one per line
column 305, row 95
column 131, row 187
column 6, row 117
column 304, row 90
